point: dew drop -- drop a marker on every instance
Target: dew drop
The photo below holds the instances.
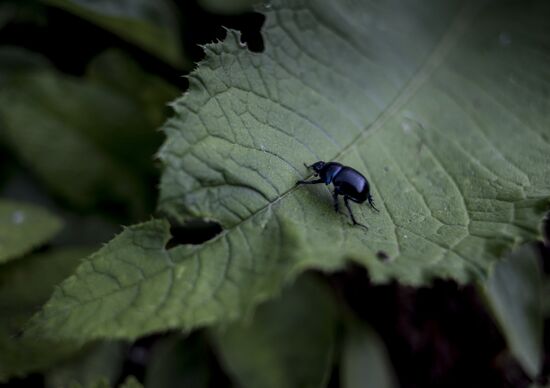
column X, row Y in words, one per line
column 504, row 39
column 18, row 217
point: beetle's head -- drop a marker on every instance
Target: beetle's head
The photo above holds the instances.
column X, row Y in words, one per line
column 317, row 167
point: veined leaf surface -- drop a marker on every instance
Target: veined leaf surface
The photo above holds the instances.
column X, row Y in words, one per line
column 442, row 104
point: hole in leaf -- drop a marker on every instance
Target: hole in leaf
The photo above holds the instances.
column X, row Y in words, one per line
column 201, row 26
column 382, row 256
column 194, row 232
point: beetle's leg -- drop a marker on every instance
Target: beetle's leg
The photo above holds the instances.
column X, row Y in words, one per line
column 335, row 200
column 351, row 214
column 371, row 203
column 309, row 182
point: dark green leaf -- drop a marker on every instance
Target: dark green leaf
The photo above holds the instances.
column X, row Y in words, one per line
column 96, row 146
column 288, row 343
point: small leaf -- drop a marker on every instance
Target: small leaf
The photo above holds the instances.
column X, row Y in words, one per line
column 515, row 293
column 152, row 25
column 23, row 227
column 288, row 343
column 24, row 286
column 176, row 363
column 365, row 362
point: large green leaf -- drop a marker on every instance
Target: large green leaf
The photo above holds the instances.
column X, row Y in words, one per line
column 152, row 25
column 288, row 343
column 442, row 104
column 515, row 293
column 24, row 226
column 24, row 286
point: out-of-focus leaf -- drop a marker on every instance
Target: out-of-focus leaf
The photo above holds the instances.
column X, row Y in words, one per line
column 417, row 97
column 99, row 364
column 117, row 71
column 74, row 144
column 24, row 286
column 515, row 293
column 24, row 226
column 228, row 6
column 151, row 25
column 289, row 342
column 96, row 145
column 176, row 363
column 365, row 362
column 14, row 61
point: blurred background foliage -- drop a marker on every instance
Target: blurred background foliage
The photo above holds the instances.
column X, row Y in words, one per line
column 84, row 86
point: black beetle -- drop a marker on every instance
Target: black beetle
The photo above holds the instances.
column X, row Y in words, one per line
column 347, row 182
